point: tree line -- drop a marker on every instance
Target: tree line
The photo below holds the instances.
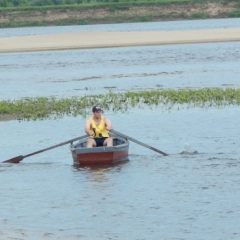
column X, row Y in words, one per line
column 29, row 3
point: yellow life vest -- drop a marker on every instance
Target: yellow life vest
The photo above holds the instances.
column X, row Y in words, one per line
column 100, row 130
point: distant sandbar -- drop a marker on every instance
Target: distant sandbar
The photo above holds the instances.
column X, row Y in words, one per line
column 86, row 40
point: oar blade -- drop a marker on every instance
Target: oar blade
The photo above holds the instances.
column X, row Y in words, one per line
column 15, row 159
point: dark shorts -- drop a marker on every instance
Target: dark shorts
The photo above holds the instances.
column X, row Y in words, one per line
column 99, row 141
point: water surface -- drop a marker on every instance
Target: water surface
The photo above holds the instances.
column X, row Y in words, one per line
column 126, row 27
column 182, row 196
column 192, row 194
column 79, row 72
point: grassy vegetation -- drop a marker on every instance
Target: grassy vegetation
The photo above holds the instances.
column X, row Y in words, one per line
column 43, row 108
column 234, row 15
column 114, row 4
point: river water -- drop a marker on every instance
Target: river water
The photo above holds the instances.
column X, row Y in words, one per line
column 191, row 194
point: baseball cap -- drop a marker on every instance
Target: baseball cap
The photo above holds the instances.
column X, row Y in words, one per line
column 96, row 109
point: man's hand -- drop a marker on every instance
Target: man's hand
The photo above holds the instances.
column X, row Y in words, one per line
column 109, row 128
column 91, row 133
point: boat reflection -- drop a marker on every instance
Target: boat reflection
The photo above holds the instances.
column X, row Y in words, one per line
column 99, row 173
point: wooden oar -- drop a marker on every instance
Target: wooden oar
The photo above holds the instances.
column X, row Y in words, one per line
column 138, row 142
column 21, row 157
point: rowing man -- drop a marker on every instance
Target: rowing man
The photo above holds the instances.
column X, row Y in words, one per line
column 97, row 128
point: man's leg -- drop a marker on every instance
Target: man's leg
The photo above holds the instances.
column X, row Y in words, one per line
column 91, row 143
column 108, row 142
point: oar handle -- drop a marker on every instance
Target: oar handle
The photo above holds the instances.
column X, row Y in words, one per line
column 94, row 130
column 138, row 142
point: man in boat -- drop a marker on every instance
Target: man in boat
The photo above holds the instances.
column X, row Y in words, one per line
column 97, row 128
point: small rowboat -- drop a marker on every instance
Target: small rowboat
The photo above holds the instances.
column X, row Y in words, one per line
column 84, row 156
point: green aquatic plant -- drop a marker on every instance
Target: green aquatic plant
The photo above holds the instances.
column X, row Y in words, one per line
column 43, row 107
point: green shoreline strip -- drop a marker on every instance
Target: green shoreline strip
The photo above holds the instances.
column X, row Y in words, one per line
column 44, row 108
column 34, row 12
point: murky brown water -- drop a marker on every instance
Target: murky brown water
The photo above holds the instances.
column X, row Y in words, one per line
column 191, row 194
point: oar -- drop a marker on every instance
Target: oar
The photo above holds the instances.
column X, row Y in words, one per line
column 21, row 157
column 138, row 142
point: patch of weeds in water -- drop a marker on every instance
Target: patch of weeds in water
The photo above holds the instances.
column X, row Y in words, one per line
column 44, row 108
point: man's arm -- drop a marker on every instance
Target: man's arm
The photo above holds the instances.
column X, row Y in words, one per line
column 87, row 128
column 108, row 124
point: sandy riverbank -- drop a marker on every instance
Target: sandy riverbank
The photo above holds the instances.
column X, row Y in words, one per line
column 84, row 40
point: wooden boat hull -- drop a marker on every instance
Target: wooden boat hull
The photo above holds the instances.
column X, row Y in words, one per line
column 100, row 155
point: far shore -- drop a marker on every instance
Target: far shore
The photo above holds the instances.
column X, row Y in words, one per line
column 87, row 40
